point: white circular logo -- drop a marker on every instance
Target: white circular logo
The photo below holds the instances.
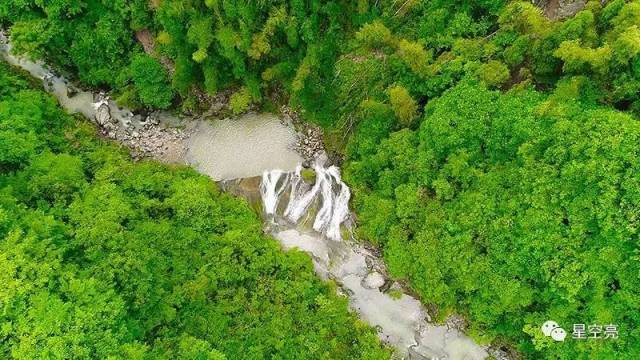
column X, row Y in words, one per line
column 551, row 328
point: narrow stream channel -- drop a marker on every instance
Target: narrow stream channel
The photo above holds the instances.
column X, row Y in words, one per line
column 252, row 157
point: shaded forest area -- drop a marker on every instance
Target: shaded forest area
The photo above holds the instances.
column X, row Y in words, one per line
column 493, row 152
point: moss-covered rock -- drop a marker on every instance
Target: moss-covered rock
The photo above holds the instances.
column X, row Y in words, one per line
column 308, row 175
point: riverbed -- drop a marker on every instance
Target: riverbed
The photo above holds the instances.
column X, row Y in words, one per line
column 253, row 157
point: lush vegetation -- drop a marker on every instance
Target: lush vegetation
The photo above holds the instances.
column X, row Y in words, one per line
column 513, row 209
column 493, row 152
column 515, row 198
column 101, row 258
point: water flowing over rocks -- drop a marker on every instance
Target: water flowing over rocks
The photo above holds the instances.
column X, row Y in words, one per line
column 328, row 195
column 148, row 137
column 316, row 219
column 311, row 216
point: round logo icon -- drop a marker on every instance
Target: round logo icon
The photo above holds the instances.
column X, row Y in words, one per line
column 551, row 328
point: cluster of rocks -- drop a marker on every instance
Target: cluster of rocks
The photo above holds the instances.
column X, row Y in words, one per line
column 217, row 105
column 500, row 353
column 377, row 277
column 561, row 9
column 288, row 116
column 144, row 137
column 457, row 322
column 309, row 143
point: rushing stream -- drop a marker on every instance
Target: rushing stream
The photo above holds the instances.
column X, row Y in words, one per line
column 252, row 157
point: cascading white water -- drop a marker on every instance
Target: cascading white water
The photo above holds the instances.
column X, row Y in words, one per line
column 340, row 207
column 300, row 197
column 270, row 191
column 329, row 190
column 325, row 213
column 402, row 322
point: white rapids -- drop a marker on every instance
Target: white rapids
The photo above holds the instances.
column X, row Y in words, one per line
column 332, row 194
column 402, row 321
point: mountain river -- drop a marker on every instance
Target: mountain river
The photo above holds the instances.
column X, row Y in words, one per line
column 252, row 157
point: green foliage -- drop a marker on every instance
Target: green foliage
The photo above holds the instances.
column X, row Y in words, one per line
column 414, row 55
column 403, row 104
column 240, row 101
column 27, row 117
column 579, row 59
column 493, row 73
column 374, row 35
column 548, row 176
column 308, row 175
column 550, row 180
column 151, row 82
column 102, row 258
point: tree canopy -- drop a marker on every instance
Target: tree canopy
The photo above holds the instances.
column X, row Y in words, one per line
column 493, row 151
column 102, row 258
column 512, row 209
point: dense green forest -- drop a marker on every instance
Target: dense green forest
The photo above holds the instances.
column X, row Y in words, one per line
column 101, row 258
column 493, row 152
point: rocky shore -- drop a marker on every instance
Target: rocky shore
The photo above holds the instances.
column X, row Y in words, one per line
column 146, row 138
column 309, row 143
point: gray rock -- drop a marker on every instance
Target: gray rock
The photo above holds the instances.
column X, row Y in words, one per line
column 103, row 115
column 569, row 8
column 560, row 9
column 423, row 353
column 373, row 280
column 72, row 91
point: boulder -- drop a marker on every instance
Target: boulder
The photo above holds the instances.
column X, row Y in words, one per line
column 308, row 175
column 103, row 115
column 373, row 280
column 560, row 9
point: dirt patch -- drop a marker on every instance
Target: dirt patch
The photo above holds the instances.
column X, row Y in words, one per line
column 148, row 42
column 146, row 39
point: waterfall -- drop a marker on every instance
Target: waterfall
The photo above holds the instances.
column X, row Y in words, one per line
column 299, row 199
column 270, row 191
column 325, row 179
column 340, row 208
column 329, row 191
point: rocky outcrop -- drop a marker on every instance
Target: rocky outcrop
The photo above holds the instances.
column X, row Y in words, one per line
column 373, row 280
column 103, row 114
column 217, row 105
column 560, row 9
column 501, row 354
column 145, row 38
column 145, row 138
column 309, row 143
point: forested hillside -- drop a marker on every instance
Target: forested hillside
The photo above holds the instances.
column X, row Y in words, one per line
column 493, row 152
column 101, row 258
